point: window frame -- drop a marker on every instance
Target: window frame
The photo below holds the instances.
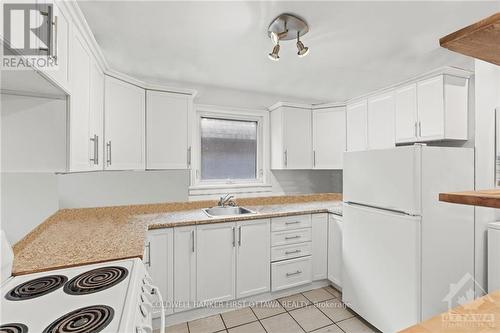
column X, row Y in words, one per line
column 261, row 117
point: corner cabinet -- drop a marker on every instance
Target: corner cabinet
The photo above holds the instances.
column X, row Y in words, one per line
column 335, row 249
column 167, row 135
column 124, row 114
column 329, row 137
column 291, row 138
column 86, row 105
column 319, row 246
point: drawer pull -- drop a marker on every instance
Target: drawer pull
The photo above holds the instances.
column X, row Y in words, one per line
column 291, row 252
column 292, row 274
column 294, row 222
column 292, row 237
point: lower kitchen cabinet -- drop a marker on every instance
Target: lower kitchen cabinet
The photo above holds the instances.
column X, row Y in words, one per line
column 335, row 249
column 184, row 268
column 291, row 273
column 253, row 274
column 159, row 261
column 319, row 246
column 216, row 262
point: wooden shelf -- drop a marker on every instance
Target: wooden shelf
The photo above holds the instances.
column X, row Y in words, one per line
column 479, row 40
column 485, row 198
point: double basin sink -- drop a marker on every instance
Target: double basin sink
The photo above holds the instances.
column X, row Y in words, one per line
column 227, row 211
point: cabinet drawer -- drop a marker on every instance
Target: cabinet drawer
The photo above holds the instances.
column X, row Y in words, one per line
column 290, row 222
column 291, row 237
column 290, row 251
column 291, row 273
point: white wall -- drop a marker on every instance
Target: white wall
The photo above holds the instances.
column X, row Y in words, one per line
column 487, row 87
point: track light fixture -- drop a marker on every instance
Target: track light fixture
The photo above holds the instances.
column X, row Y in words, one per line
column 287, row 27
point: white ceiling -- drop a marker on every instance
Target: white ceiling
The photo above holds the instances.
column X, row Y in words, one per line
column 355, row 47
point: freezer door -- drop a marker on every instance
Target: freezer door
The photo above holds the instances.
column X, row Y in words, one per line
column 385, row 178
column 381, row 267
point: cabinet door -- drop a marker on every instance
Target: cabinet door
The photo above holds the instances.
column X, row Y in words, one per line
column 253, row 274
column 381, row 122
column 335, row 250
column 167, row 130
column 184, row 268
column 297, row 143
column 79, row 159
column 406, row 114
column 430, row 106
column 356, row 116
column 216, row 262
column 124, row 125
column 329, row 138
column 159, row 262
column 96, row 116
column 319, row 246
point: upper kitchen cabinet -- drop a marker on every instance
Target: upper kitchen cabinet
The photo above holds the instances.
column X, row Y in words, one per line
column 291, row 137
column 381, row 121
column 124, row 114
column 167, row 135
column 405, row 115
column 329, row 137
column 85, row 109
column 357, row 127
column 432, row 109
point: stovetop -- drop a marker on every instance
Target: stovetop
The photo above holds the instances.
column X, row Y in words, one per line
column 88, row 298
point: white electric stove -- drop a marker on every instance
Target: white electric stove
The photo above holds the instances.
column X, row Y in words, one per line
column 114, row 297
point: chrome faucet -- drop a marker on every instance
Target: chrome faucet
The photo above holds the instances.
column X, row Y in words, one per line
column 226, row 200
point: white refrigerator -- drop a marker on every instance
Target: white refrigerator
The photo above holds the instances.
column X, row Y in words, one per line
column 402, row 247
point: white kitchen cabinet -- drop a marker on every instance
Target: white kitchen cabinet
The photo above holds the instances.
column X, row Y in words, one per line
column 85, row 109
column 442, row 105
column 253, row 275
column 159, row 261
column 329, row 137
column 60, row 49
column 291, row 138
column 124, row 114
column 381, row 121
column 319, row 246
column 357, row 127
column 184, row 268
column 405, row 114
column 216, row 262
column 167, row 137
column 335, row 249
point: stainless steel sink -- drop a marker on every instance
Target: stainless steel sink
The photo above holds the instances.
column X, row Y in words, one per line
column 227, row 211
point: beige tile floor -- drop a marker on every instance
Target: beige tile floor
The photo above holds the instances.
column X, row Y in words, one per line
column 319, row 311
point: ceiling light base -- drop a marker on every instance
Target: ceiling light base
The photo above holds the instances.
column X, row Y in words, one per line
column 288, row 26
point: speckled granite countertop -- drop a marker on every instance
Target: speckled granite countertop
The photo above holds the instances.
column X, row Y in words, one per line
column 73, row 237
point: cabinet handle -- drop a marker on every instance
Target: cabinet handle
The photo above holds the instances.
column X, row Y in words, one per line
column 292, row 237
column 108, row 147
column 285, row 157
column 189, row 157
column 294, row 273
column 294, row 222
column 234, row 236
column 96, row 156
column 419, row 129
column 239, row 235
column 148, row 246
column 314, row 158
column 54, row 42
column 192, row 240
column 416, row 129
column 292, row 252
column 94, row 141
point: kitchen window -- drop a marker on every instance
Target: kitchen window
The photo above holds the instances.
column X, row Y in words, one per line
column 229, row 148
